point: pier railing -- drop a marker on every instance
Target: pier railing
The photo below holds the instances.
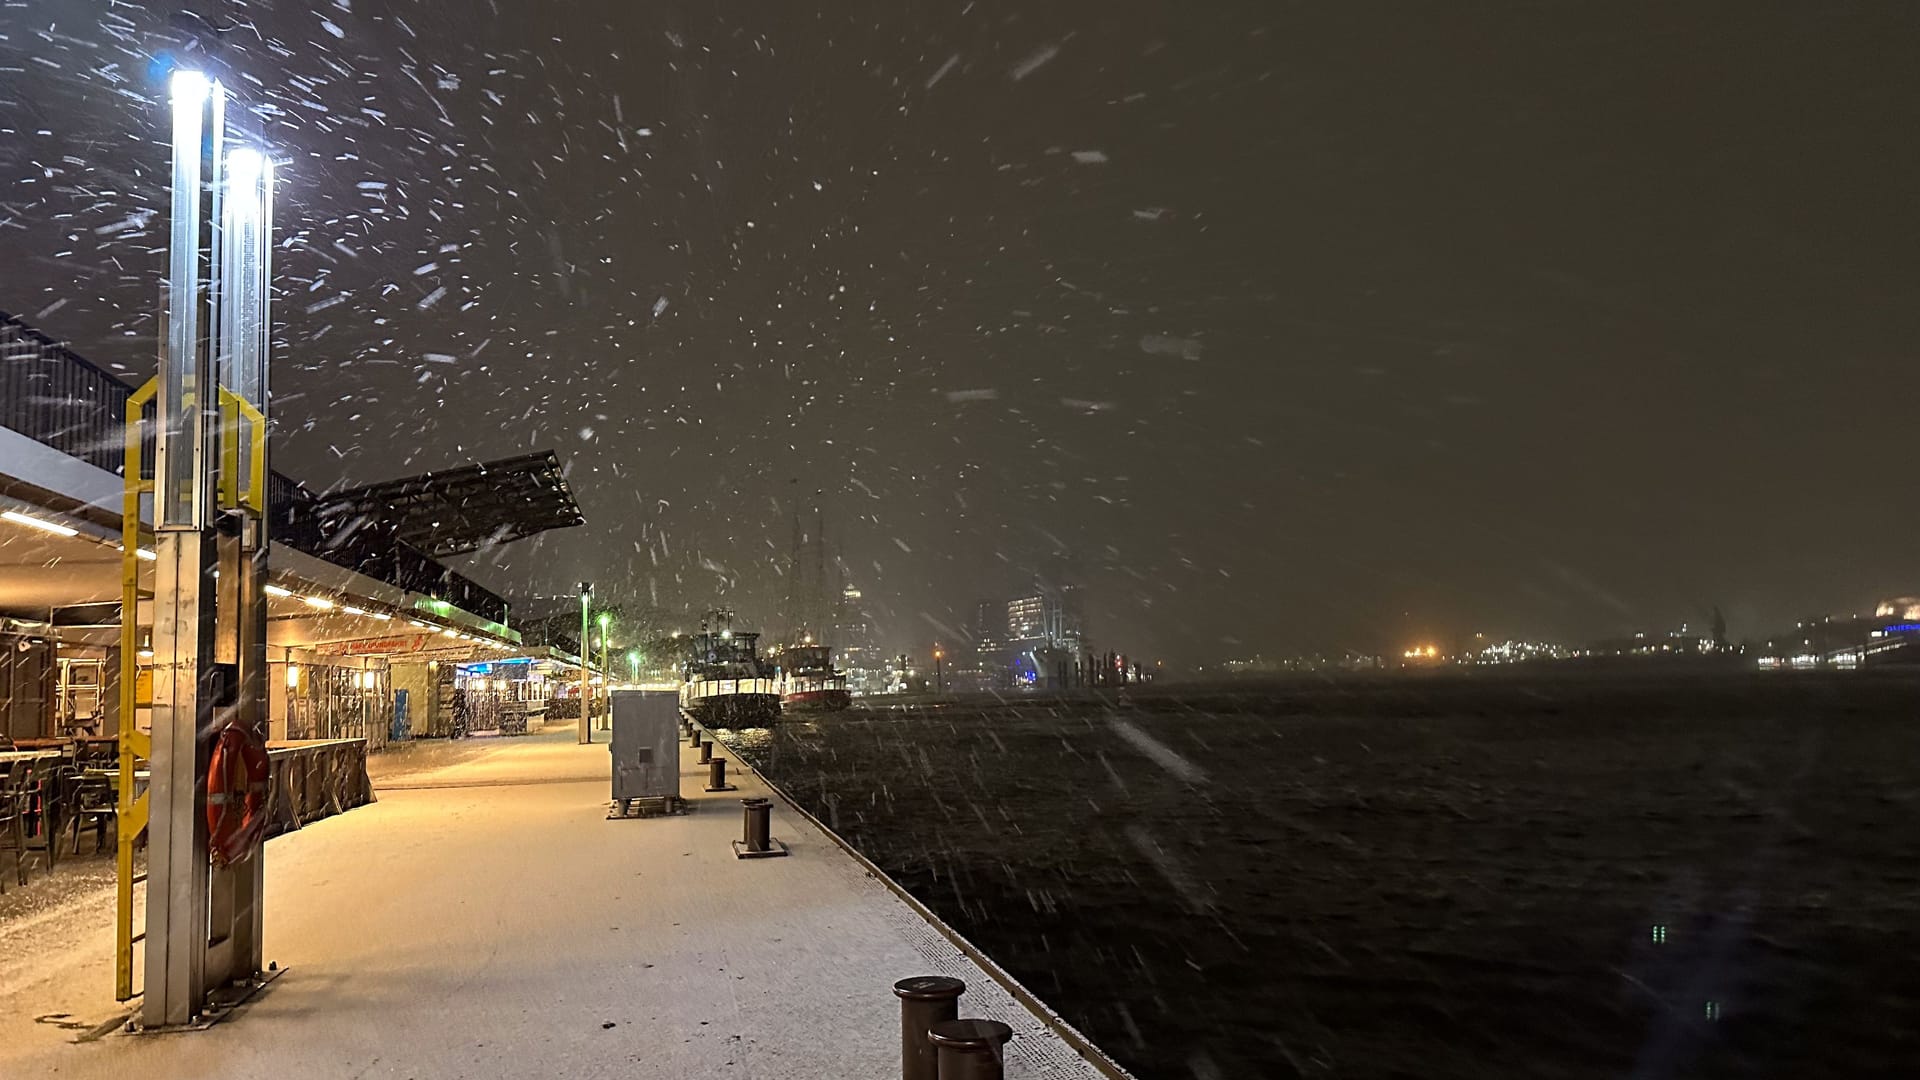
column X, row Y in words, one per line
column 55, row 396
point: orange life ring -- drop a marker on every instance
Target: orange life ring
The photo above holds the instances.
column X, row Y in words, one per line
column 237, row 778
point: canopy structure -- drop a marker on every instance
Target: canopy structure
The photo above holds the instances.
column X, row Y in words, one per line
column 456, row 511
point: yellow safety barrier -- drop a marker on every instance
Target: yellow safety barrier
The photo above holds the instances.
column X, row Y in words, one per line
column 234, row 408
column 135, row 745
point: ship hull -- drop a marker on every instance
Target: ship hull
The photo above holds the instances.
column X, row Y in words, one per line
column 735, row 710
column 827, row 700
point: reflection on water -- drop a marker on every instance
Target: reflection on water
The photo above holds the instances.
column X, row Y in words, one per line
column 753, row 738
column 761, row 746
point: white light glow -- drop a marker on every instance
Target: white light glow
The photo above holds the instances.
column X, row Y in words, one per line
column 190, row 86
column 53, row 527
column 317, row 602
column 351, row 610
column 382, row 616
column 244, row 167
column 190, row 90
column 275, row 590
column 143, row 553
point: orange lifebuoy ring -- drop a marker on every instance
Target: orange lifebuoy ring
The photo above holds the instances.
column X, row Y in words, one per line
column 237, row 777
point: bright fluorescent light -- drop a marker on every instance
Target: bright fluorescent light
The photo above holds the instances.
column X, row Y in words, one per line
column 317, row 602
column 450, row 633
column 421, row 625
column 145, row 554
column 382, row 616
column 275, row 590
column 351, row 610
column 53, row 527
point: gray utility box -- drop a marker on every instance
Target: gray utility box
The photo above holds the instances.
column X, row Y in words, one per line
column 646, row 744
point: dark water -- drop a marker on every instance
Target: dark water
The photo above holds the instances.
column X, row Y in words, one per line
column 1705, row 876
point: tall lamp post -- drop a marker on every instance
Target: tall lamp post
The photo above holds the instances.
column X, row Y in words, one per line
column 606, row 666
column 939, row 673
column 586, row 680
column 633, row 663
column 205, row 899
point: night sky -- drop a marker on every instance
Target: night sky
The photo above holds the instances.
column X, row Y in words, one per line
column 1278, row 326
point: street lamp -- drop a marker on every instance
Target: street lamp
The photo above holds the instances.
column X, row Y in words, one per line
column 586, row 685
column 633, row 663
column 939, row 674
column 606, row 665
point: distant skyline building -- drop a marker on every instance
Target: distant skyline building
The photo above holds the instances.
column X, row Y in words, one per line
column 855, row 649
column 989, row 620
column 1027, row 618
column 1045, row 638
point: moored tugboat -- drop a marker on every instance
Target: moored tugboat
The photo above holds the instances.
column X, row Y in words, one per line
column 727, row 682
column 809, row 680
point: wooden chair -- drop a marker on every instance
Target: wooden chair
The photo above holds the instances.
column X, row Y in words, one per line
column 13, row 817
column 90, row 799
column 40, row 808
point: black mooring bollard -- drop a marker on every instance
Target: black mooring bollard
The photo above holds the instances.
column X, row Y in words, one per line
column 755, row 841
column 756, row 833
column 717, row 775
column 759, row 823
column 925, row 1000
column 970, row 1049
column 693, row 738
column 706, row 752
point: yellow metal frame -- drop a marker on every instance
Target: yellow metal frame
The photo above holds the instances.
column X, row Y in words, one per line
column 233, row 409
column 136, row 745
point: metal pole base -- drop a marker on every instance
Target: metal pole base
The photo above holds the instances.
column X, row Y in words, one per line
column 222, row 1003
column 775, row 849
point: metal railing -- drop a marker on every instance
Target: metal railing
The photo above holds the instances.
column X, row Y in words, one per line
column 57, row 397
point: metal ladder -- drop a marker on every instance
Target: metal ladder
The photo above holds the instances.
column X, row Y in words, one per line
column 136, row 740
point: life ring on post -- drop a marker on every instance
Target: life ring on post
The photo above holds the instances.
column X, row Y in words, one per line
column 237, row 777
